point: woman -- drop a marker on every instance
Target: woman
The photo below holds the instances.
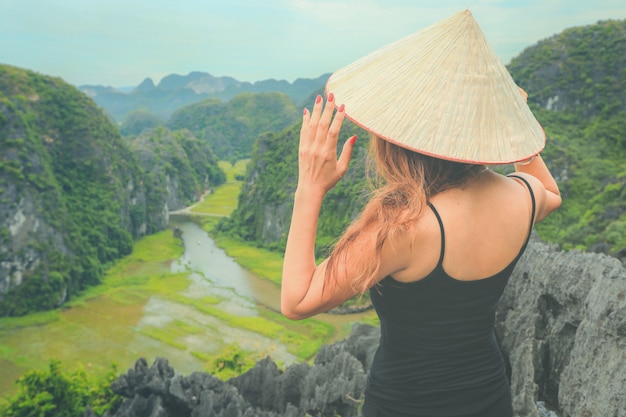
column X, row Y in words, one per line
column 440, row 237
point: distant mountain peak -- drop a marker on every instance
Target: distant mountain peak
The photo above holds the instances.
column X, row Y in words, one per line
column 177, row 81
column 145, row 86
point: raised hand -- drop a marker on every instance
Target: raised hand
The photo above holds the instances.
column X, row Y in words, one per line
column 319, row 169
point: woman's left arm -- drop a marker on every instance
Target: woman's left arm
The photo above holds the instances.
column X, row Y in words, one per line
column 302, row 288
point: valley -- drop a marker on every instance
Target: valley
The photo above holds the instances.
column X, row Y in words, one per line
column 185, row 299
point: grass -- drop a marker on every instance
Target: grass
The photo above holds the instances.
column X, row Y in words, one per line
column 303, row 339
column 262, row 262
column 223, row 200
column 102, row 325
column 93, row 326
column 31, row 320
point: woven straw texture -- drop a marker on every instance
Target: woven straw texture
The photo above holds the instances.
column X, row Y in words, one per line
column 443, row 92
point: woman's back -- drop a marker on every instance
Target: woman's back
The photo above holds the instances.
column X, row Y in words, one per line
column 486, row 223
column 437, row 242
column 438, row 354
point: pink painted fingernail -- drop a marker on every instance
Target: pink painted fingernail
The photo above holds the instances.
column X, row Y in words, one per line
column 318, row 100
column 305, row 111
column 341, row 108
column 331, row 97
column 353, row 140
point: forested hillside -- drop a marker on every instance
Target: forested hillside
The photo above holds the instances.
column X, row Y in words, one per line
column 73, row 193
column 230, row 128
column 576, row 82
column 264, row 208
column 577, row 87
column 179, row 166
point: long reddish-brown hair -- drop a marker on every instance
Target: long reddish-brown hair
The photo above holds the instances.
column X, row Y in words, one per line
column 403, row 182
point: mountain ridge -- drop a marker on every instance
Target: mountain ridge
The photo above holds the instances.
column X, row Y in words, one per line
column 175, row 91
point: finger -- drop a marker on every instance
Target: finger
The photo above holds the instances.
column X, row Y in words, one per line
column 346, row 155
column 327, row 115
column 335, row 127
column 317, row 111
column 305, row 135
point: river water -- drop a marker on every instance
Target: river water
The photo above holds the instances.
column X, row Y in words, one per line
column 224, row 277
column 218, row 274
column 103, row 331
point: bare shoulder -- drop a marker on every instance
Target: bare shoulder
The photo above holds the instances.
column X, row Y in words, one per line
column 543, row 204
column 416, row 250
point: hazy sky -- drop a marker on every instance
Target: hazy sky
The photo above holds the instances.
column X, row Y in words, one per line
column 121, row 42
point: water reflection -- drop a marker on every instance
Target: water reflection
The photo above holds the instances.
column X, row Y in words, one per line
column 217, row 274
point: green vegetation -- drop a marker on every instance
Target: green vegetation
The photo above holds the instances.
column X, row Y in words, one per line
column 223, row 199
column 54, row 393
column 231, row 362
column 264, row 263
column 175, row 91
column 269, row 198
column 59, row 153
column 138, row 121
column 582, row 69
column 107, row 315
column 590, row 164
column 577, row 91
column 230, row 128
column 176, row 157
column 62, row 159
column 83, row 193
column 577, row 88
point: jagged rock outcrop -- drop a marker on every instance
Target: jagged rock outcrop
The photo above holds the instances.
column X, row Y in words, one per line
column 561, row 323
column 333, row 385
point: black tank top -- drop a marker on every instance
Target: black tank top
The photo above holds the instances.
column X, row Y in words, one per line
column 438, row 355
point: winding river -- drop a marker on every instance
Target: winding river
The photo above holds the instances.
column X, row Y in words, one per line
column 223, row 277
column 103, row 331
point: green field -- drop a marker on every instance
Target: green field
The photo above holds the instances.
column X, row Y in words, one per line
column 111, row 323
column 223, row 200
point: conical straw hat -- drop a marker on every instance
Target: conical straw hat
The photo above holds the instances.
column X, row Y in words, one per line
column 442, row 92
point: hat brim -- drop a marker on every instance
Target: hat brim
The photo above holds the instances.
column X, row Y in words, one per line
column 442, row 92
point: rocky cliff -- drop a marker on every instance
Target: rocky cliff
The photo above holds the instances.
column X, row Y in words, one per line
column 579, row 70
column 74, row 195
column 561, row 324
column 177, row 164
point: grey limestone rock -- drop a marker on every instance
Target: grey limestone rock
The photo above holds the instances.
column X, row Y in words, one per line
column 332, row 386
column 561, row 324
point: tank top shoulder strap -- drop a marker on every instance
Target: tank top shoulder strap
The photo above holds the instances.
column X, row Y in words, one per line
column 443, row 235
column 534, row 205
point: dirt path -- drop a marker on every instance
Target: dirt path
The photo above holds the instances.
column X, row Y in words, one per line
column 187, row 210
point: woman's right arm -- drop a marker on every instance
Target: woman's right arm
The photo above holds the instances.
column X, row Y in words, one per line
column 536, row 168
column 550, row 198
